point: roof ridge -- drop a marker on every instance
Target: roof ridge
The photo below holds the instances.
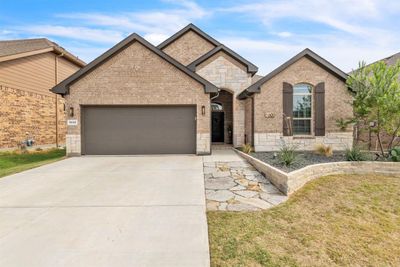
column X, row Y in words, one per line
column 63, row 87
column 24, row 40
column 182, row 31
column 251, row 68
column 256, row 87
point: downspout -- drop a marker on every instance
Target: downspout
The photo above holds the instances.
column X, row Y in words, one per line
column 56, row 98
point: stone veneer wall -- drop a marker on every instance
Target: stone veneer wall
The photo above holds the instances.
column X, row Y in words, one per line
column 274, row 141
column 248, row 105
column 228, row 74
column 137, row 76
column 268, row 129
column 23, row 111
column 288, row 183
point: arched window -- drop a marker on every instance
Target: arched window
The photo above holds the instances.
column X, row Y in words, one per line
column 302, row 109
column 217, row 106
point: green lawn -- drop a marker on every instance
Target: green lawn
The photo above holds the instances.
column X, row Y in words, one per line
column 342, row 220
column 11, row 162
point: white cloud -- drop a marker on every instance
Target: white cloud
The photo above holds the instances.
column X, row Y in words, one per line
column 155, row 22
column 155, row 38
column 284, row 34
column 79, row 33
column 357, row 29
column 352, row 29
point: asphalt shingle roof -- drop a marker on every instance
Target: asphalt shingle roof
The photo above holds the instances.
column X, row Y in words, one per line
column 15, row 47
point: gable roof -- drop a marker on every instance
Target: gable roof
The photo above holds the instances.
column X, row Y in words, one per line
column 13, row 49
column 63, row 87
column 256, row 87
column 251, row 68
column 390, row 60
column 190, row 27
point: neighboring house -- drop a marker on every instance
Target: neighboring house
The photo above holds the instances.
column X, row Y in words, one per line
column 191, row 91
column 29, row 68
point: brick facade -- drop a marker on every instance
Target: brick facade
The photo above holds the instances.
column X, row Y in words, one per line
column 28, row 108
column 137, row 76
column 29, row 114
column 268, row 130
column 188, row 48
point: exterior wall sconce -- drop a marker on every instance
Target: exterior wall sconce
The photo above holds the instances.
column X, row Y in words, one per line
column 71, row 112
column 203, row 110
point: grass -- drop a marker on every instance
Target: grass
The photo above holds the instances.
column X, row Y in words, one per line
column 341, row 220
column 13, row 162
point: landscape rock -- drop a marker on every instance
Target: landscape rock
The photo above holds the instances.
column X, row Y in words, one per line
column 238, row 187
column 219, row 195
column 273, row 198
column 254, row 202
column 212, row 205
column 246, row 193
column 220, row 183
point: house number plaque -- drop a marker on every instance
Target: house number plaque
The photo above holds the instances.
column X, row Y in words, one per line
column 72, row 122
column 269, row 115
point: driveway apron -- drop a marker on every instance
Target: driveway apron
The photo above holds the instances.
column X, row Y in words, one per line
column 105, row 211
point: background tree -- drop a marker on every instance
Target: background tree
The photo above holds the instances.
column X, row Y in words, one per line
column 377, row 99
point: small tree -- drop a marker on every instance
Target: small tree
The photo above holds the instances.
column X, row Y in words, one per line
column 377, row 99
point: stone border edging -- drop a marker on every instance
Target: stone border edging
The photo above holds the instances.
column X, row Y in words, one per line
column 289, row 182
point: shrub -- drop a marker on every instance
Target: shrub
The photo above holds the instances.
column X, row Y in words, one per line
column 247, row 148
column 343, row 124
column 325, row 150
column 287, row 155
column 355, row 154
column 394, row 154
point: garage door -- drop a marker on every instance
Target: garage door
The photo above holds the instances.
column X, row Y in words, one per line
column 128, row 130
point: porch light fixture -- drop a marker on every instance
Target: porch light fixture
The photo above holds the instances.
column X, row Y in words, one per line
column 203, row 110
column 71, row 111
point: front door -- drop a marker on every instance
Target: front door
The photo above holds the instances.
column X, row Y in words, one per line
column 218, row 127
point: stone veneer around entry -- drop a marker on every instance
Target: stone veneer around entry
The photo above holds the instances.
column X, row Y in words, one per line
column 230, row 75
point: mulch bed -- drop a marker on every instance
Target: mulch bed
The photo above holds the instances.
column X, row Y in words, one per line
column 303, row 159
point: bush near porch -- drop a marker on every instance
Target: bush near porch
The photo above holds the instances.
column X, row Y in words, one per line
column 341, row 220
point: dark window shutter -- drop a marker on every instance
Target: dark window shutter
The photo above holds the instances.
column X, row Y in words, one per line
column 319, row 109
column 287, row 108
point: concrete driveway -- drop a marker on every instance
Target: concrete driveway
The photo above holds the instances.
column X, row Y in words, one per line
column 105, row 211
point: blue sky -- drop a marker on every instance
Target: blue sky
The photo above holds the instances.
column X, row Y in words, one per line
column 265, row 32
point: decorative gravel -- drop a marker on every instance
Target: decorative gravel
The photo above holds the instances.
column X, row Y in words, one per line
column 304, row 158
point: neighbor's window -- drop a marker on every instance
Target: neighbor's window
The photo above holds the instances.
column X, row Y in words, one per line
column 302, row 101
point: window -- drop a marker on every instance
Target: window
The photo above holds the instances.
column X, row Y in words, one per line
column 216, row 107
column 302, row 109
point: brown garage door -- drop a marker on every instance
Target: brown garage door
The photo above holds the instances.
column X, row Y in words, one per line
column 128, row 130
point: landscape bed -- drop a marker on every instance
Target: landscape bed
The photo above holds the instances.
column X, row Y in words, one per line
column 293, row 178
column 303, row 159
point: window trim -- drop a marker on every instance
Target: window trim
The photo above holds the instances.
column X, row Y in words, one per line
column 311, row 118
column 220, row 104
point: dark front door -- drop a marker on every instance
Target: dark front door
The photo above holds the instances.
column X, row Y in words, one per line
column 218, row 127
column 127, row 130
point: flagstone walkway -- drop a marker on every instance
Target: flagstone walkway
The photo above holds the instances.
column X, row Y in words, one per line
column 232, row 184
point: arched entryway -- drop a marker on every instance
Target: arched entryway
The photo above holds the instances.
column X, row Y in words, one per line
column 222, row 118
